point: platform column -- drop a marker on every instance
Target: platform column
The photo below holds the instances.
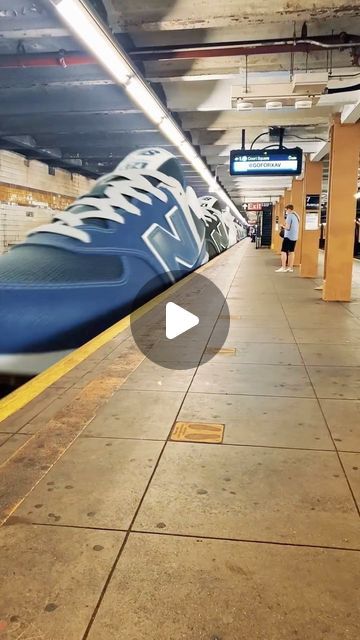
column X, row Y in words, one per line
column 297, row 195
column 275, row 215
column 287, row 197
column 278, row 240
column 311, row 233
column 341, row 211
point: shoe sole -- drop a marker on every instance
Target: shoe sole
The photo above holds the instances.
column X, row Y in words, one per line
column 27, row 364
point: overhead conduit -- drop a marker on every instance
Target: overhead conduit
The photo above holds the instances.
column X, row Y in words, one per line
column 63, row 58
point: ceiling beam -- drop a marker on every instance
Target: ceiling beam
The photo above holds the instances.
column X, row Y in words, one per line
column 60, row 99
column 255, row 195
column 99, row 140
column 34, row 33
column 220, row 121
column 232, row 137
column 75, row 123
column 351, row 112
column 137, row 17
column 103, row 153
column 323, row 150
column 20, row 78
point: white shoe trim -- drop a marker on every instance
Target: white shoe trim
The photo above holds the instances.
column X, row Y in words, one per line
column 28, row 364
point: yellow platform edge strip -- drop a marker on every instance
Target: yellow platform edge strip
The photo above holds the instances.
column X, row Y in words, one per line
column 30, row 390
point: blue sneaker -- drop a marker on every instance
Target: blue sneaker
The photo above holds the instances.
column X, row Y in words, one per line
column 216, row 233
column 75, row 277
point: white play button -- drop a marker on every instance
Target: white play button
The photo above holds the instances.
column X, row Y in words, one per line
column 178, row 320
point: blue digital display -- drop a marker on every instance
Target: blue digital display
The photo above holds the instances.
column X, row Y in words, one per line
column 267, row 162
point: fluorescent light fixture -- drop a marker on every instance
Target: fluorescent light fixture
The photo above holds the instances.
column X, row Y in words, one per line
column 243, row 105
column 172, row 132
column 303, row 104
column 188, row 151
column 199, row 166
column 110, row 55
column 141, row 95
column 274, row 104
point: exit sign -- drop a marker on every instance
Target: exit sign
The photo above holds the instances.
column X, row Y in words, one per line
column 254, row 206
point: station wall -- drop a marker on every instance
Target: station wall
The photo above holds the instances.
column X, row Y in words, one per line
column 31, row 193
column 16, row 221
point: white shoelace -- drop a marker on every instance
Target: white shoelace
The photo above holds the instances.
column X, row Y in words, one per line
column 117, row 195
column 210, row 216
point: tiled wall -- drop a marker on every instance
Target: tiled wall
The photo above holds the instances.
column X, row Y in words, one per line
column 16, row 221
column 30, row 196
column 13, row 194
column 18, row 171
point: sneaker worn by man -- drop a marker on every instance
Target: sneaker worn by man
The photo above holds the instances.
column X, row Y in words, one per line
column 73, row 278
column 281, row 270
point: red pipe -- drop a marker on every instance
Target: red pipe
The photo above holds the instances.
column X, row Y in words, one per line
column 219, row 52
column 32, row 60
column 208, row 50
column 249, row 48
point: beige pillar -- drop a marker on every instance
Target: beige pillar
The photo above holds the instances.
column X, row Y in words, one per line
column 287, row 197
column 341, row 210
column 275, row 215
column 297, row 195
column 310, row 236
column 278, row 240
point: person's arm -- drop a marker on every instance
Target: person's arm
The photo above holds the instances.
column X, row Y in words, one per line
column 286, row 225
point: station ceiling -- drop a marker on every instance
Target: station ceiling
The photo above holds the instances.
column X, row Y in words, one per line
column 202, row 58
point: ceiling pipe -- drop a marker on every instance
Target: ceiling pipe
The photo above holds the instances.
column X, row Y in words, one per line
column 38, row 60
column 208, row 50
column 250, row 47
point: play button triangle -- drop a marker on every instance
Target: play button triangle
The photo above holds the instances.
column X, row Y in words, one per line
column 178, row 320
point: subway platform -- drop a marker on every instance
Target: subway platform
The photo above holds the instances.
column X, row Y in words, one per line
column 217, row 502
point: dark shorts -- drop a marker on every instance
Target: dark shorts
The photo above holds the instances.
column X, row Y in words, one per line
column 288, row 246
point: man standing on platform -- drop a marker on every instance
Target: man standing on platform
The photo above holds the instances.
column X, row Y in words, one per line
column 291, row 234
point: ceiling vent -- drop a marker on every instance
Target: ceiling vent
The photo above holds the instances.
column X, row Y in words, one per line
column 274, row 104
column 310, row 84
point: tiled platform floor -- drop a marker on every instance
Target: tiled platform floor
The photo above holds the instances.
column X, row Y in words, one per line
column 131, row 536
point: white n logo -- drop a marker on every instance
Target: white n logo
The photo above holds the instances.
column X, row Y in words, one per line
column 220, row 237
column 178, row 247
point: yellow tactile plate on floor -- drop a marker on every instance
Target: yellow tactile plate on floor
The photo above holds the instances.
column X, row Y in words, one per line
column 221, row 351
column 212, row 433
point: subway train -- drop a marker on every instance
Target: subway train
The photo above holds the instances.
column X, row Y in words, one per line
column 71, row 279
column 219, row 229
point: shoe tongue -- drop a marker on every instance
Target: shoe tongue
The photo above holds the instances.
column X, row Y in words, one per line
column 152, row 159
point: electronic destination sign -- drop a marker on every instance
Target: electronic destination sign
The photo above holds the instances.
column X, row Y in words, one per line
column 266, row 162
